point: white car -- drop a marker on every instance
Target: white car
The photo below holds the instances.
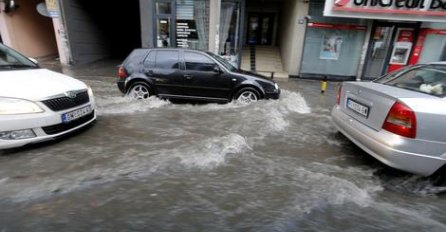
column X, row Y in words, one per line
column 37, row 104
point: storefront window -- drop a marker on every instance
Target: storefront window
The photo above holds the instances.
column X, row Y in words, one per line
column 332, row 52
column 332, row 45
column 192, row 24
column 434, row 49
column 229, row 41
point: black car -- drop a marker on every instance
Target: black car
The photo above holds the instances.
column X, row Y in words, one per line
column 190, row 74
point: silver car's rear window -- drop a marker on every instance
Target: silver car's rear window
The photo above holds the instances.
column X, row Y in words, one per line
column 428, row 79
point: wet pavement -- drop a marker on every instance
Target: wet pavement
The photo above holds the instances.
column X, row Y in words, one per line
column 158, row 166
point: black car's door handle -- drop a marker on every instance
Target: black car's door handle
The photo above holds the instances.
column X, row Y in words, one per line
column 188, row 77
column 149, row 72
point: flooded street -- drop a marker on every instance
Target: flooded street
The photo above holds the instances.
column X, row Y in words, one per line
column 158, row 166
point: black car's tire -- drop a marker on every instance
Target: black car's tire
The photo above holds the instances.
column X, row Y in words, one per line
column 247, row 95
column 139, row 90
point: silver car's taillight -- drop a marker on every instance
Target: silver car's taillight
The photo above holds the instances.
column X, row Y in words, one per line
column 401, row 120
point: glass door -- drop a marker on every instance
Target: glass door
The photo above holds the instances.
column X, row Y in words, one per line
column 229, row 41
column 379, row 49
column 163, row 38
column 266, row 33
column 163, row 23
column 389, row 48
column 260, row 29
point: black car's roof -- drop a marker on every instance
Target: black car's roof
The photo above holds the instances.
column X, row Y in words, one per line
column 173, row 48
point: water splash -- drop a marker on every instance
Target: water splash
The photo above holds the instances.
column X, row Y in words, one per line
column 414, row 184
column 334, row 190
column 124, row 105
column 212, row 152
column 293, row 102
column 204, row 154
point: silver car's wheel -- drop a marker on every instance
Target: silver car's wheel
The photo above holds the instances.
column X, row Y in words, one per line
column 139, row 91
column 247, row 95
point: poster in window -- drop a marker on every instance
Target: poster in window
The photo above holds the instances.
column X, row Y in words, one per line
column 331, row 47
column 186, row 33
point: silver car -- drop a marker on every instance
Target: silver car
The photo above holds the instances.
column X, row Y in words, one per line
column 400, row 118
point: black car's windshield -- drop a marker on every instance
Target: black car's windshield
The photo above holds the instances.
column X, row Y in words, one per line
column 10, row 59
column 224, row 62
column 429, row 79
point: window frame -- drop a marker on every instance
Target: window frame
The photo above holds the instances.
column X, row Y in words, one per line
column 216, row 64
column 169, row 50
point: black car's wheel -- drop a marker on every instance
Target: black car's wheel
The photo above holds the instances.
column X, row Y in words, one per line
column 139, row 90
column 247, row 95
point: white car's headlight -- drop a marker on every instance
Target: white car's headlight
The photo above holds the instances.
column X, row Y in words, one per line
column 18, row 106
column 90, row 92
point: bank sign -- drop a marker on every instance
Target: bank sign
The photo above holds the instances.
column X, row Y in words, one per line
column 411, row 10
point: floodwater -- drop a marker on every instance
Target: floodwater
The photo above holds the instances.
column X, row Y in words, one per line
column 158, row 166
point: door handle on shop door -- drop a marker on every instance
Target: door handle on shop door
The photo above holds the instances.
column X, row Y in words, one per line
column 188, row 77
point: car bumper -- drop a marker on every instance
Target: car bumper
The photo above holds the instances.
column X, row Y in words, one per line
column 273, row 95
column 392, row 150
column 45, row 126
column 121, row 85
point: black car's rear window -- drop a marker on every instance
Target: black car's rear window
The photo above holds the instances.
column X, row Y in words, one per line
column 136, row 55
column 133, row 61
column 428, row 79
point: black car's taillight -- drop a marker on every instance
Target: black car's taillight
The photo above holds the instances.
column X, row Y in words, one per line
column 122, row 73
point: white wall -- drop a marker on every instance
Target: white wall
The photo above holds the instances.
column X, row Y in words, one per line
column 292, row 34
column 25, row 30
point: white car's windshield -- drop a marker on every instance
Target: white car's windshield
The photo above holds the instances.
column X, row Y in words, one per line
column 10, row 59
column 429, row 79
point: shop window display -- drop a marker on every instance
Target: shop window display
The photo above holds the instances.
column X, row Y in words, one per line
column 192, row 24
column 229, row 34
column 332, row 52
column 332, row 45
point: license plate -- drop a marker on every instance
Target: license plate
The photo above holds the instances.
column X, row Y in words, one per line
column 73, row 115
column 358, row 107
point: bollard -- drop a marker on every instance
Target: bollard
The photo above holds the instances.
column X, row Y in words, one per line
column 324, row 85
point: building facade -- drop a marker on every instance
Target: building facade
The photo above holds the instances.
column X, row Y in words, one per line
column 28, row 30
column 230, row 28
column 364, row 39
column 338, row 39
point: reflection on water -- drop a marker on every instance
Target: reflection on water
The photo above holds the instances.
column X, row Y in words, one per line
column 158, row 166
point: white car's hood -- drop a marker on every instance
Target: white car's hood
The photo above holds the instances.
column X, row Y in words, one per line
column 36, row 84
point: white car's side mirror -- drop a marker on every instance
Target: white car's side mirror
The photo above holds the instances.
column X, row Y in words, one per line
column 33, row 60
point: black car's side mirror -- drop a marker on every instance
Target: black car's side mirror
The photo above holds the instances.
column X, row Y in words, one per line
column 217, row 69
